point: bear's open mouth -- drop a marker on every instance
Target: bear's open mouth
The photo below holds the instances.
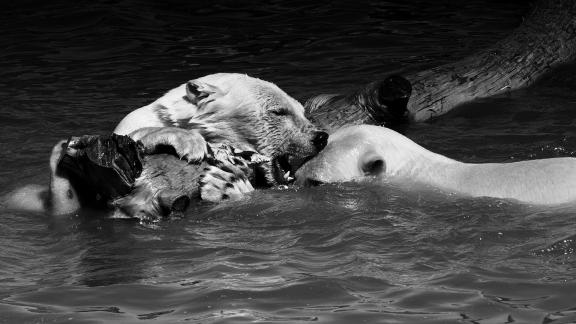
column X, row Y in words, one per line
column 283, row 172
column 285, row 167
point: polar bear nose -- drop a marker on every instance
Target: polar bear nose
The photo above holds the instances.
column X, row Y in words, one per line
column 320, row 140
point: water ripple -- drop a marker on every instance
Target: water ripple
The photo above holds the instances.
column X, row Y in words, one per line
column 341, row 253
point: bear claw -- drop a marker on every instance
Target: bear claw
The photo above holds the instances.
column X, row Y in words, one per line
column 219, row 184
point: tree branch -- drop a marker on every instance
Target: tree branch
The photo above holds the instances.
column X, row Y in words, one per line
column 546, row 39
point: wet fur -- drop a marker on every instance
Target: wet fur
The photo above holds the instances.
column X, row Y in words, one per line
column 250, row 114
column 233, row 109
column 361, row 152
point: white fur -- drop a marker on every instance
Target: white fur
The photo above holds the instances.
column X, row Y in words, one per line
column 231, row 94
column 59, row 198
column 349, row 150
column 31, row 198
column 231, row 91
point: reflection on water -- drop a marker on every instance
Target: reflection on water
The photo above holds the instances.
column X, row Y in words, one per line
column 342, row 253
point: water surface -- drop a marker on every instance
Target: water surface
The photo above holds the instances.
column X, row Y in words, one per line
column 341, row 253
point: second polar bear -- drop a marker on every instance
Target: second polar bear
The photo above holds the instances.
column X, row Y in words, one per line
column 360, row 152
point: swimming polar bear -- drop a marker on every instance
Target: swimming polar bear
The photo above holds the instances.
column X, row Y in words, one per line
column 227, row 108
column 365, row 151
column 196, row 119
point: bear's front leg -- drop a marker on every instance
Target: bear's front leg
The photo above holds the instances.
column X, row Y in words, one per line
column 188, row 144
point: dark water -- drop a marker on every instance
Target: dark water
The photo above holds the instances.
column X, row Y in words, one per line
column 343, row 253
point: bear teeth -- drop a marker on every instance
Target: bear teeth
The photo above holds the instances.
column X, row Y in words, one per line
column 287, row 176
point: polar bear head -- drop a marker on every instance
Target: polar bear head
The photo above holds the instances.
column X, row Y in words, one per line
column 359, row 152
column 248, row 113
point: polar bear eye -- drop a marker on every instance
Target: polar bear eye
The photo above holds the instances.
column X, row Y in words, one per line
column 280, row 112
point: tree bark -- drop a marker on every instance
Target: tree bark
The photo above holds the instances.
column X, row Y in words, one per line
column 546, row 39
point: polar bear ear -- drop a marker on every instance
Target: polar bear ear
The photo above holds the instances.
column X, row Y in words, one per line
column 198, row 92
column 373, row 165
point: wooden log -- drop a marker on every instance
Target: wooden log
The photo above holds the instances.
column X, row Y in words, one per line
column 546, row 39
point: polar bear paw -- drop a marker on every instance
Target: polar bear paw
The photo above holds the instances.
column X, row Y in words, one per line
column 222, row 183
column 189, row 145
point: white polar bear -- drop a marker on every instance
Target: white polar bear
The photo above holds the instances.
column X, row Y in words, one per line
column 196, row 119
column 359, row 152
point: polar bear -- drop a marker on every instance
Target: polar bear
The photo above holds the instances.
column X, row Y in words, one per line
column 232, row 109
column 226, row 109
column 361, row 152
